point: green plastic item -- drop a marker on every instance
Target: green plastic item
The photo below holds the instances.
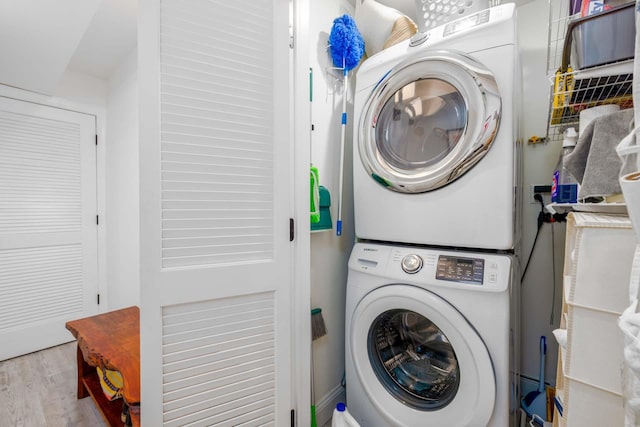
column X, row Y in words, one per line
column 314, row 203
column 325, row 214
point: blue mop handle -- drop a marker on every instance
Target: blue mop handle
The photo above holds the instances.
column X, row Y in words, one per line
column 342, row 139
column 543, row 352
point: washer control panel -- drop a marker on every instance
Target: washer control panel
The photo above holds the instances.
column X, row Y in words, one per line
column 411, row 263
column 460, row 269
column 482, row 272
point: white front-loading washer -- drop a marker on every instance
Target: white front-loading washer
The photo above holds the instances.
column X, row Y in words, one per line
column 435, row 136
column 430, row 337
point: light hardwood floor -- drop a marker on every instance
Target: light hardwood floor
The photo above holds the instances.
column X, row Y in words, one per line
column 39, row 390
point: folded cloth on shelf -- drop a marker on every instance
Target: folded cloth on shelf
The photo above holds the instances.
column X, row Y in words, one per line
column 594, row 162
column 111, row 383
column 381, row 26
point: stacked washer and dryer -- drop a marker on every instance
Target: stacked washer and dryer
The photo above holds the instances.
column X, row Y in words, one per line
column 432, row 293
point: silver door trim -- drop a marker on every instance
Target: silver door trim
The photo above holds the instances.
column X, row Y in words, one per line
column 479, row 90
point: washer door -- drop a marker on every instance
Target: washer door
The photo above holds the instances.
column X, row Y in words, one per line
column 428, row 121
column 419, row 360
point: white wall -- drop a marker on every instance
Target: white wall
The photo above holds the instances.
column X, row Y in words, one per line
column 329, row 253
column 538, row 294
column 83, row 90
column 37, row 40
column 122, row 193
column 115, row 104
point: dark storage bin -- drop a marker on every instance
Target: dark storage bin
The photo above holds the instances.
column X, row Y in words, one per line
column 602, row 38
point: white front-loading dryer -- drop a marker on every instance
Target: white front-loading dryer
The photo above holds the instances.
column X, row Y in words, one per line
column 430, row 337
column 435, row 136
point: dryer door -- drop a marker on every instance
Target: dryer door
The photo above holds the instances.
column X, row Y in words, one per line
column 419, row 360
column 428, row 121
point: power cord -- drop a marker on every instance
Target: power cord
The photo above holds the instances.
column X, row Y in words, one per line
column 553, row 274
column 543, row 217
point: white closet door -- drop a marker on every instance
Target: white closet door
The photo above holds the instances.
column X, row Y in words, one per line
column 215, row 167
column 48, row 231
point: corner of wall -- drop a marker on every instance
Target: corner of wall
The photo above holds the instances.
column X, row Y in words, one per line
column 324, row 408
column 122, row 191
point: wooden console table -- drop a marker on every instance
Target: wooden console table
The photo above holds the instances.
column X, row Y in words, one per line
column 111, row 341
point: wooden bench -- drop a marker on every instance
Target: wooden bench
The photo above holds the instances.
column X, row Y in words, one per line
column 111, row 341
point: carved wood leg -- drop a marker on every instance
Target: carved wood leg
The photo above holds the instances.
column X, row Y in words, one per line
column 82, row 371
column 125, row 417
column 134, row 415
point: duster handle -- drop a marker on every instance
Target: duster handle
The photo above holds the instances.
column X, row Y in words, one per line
column 343, row 131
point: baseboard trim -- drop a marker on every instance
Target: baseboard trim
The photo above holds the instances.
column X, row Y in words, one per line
column 324, row 408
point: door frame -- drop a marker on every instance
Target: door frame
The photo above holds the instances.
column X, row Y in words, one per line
column 99, row 115
column 301, row 265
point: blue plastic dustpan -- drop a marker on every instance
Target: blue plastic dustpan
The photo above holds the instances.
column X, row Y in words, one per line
column 535, row 402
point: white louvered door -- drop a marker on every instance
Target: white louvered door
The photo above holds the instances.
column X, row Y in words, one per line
column 48, row 232
column 216, row 197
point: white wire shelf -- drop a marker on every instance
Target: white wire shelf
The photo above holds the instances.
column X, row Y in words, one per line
column 573, row 91
column 603, row 207
column 586, row 90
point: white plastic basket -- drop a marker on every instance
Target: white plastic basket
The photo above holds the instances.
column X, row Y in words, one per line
column 433, row 13
column 592, row 406
column 586, row 283
column 594, row 353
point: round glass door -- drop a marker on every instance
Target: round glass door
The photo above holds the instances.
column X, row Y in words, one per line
column 413, row 359
column 419, row 360
column 428, row 121
column 420, row 124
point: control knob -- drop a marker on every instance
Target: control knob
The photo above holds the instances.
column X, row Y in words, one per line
column 418, row 38
column 411, row 264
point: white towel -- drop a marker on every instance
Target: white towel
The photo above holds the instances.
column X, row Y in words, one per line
column 561, row 336
column 636, row 71
column 381, row 26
